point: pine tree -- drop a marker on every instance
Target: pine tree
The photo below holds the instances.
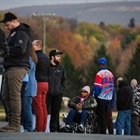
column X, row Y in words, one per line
column 132, row 23
column 74, row 82
column 94, row 68
column 133, row 71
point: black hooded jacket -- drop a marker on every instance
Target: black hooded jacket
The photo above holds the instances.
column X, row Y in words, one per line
column 124, row 96
column 2, row 40
column 18, row 43
column 4, row 51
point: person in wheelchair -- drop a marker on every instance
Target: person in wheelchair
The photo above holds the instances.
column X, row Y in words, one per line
column 78, row 109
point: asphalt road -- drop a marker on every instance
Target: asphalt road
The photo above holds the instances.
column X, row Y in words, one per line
column 59, row 136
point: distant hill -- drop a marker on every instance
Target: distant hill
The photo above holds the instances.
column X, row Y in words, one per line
column 109, row 12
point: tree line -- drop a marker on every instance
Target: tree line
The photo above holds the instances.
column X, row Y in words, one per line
column 83, row 43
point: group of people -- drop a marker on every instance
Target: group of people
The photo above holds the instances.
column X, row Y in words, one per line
column 128, row 107
column 126, row 100
column 33, row 83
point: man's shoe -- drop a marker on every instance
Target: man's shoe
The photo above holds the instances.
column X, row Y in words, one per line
column 10, row 129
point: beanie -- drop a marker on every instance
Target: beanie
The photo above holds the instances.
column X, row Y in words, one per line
column 86, row 88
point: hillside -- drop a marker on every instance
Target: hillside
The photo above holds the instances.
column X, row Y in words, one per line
column 109, row 12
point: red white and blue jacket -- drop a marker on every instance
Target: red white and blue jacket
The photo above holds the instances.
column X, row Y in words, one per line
column 103, row 85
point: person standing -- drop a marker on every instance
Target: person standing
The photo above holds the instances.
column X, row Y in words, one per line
column 29, row 90
column 39, row 101
column 135, row 130
column 57, row 84
column 124, row 107
column 4, row 52
column 16, row 66
column 103, row 92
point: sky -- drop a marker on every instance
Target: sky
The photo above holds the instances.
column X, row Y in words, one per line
column 7, row 4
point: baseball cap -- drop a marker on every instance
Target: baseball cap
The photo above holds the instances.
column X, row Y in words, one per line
column 54, row 52
column 8, row 17
column 102, row 60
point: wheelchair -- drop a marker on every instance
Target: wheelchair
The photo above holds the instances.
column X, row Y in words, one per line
column 90, row 127
column 91, row 124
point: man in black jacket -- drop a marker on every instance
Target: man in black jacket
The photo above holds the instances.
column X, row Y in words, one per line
column 16, row 66
column 57, row 84
column 124, row 107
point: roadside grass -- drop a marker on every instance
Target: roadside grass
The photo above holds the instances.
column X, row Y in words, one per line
column 2, row 114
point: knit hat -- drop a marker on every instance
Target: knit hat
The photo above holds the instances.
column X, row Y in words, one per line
column 102, row 60
column 133, row 82
column 86, row 88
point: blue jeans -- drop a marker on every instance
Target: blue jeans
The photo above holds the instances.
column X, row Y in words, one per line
column 74, row 114
column 26, row 113
column 123, row 121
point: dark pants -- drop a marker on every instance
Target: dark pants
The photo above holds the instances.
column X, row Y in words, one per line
column 109, row 121
column 102, row 114
column 135, row 129
column 54, row 106
column 1, row 83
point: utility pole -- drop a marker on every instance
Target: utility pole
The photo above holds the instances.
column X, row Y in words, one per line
column 44, row 15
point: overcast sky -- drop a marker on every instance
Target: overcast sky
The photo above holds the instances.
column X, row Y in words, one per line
column 7, row 4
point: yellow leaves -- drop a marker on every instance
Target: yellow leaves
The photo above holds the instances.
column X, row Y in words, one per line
column 78, row 37
column 138, row 38
column 93, row 42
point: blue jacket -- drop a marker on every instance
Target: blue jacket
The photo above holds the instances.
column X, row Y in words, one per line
column 103, row 85
column 31, row 87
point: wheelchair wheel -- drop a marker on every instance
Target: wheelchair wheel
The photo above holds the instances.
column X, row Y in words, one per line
column 91, row 124
column 94, row 124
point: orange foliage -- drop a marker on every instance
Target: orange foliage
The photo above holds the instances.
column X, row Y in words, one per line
column 115, row 51
column 66, row 42
column 126, row 56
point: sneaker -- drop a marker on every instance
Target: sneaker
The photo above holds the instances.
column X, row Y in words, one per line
column 80, row 128
column 21, row 129
column 68, row 128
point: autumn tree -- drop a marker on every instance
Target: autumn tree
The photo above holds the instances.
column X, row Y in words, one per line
column 88, row 30
column 134, row 66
